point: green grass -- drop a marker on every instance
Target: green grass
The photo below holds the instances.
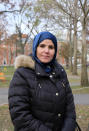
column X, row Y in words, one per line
column 76, row 87
column 74, row 80
column 5, row 121
column 80, row 90
column 8, row 73
column 83, row 116
column 82, row 112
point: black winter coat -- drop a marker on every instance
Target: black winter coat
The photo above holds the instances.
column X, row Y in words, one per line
column 39, row 101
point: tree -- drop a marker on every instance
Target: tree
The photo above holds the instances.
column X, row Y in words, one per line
column 25, row 22
column 9, row 7
column 6, row 7
column 75, row 37
column 70, row 8
column 64, row 52
column 2, row 31
column 84, row 19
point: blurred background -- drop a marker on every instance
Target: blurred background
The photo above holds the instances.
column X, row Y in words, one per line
column 68, row 20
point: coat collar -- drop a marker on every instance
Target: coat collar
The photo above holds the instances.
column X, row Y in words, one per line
column 27, row 61
column 58, row 70
column 24, row 61
column 40, row 71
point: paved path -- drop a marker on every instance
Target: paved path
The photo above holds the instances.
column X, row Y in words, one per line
column 3, row 96
column 81, row 99
column 78, row 98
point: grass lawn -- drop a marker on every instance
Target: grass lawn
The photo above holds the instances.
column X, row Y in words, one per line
column 83, row 116
column 5, row 121
column 81, row 110
column 80, row 90
column 8, row 73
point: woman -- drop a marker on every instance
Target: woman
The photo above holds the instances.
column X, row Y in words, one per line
column 40, row 98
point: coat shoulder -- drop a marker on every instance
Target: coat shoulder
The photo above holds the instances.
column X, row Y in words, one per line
column 24, row 61
column 60, row 69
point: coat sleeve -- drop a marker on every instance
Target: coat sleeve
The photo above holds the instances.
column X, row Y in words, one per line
column 70, row 115
column 19, row 106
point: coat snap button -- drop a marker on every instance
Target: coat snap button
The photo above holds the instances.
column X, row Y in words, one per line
column 39, row 85
column 62, row 70
column 53, row 73
column 50, row 76
column 57, row 94
column 38, row 73
column 59, row 115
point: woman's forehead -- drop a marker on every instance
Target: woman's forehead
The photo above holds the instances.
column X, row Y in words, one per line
column 47, row 41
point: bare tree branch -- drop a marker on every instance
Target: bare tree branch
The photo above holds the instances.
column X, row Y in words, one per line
column 87, row 13
column 64, row 10
column 82, row 6
column 8, row 11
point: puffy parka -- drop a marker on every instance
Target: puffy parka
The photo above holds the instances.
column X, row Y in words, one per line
column 39, row 101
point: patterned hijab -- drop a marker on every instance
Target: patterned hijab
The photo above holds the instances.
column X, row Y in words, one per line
column 37, row 40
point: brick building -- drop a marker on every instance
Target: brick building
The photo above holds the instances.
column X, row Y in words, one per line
column 5, row 51
column 8, row 50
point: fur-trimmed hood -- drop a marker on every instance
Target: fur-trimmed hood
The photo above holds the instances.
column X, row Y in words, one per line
column 24, row 61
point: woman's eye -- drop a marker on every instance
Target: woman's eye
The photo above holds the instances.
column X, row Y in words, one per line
column 42, row 46
column 51, row 47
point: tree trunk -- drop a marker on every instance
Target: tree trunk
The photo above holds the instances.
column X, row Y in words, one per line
column 84, row 74
column 75, row 49
column 67, row 63
column 9, row 55
column 22, row 48
column 71, row 52
column 75, row 40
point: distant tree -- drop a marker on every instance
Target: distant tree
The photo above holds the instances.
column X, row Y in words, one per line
column 75, row 36
column 9, row 6
column 25, row 22
column 64, row 51
column 84, row 20
column 2, row 31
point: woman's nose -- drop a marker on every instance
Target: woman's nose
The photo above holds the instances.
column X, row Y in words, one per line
column 46, row 49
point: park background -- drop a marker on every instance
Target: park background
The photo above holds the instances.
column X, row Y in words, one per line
column 68, row 20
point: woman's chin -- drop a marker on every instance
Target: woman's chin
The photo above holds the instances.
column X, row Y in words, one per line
column 45, row 61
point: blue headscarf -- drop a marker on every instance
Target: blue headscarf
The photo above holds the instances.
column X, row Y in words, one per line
column 38, row 39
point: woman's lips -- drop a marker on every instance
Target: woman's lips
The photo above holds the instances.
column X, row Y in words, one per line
column 45, row 56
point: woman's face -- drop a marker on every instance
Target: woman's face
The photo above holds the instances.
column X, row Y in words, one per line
column 45, row 51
